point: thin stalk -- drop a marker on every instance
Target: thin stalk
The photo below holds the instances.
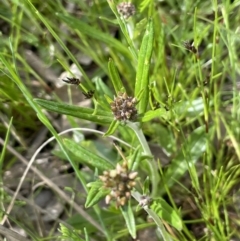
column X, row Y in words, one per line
column 147, row 152
column 154, row 178
column 165, row 236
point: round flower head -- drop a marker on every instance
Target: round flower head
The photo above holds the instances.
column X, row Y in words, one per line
column 126, row 9
column 121, row 181
column 123, row 107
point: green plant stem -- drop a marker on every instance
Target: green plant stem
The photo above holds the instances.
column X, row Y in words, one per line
column 154, row 178
column 165, row 236
column 158, row 221
column 147, row 152
column 125, row 29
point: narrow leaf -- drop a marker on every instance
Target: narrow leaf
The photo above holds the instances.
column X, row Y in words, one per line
column 96, row 193
column 114, row 125
column 69, row 234
column 144, row 4
column 5, row 144
column 116, row 81
column 144, row 59
column 90, row 31
column 146, row 186
column 102, row 94
column 101, row 117
column 102, row 88
column 129, row 219
column 87, row 156
column 86, row 234
column 166, row 212
column 151, row 114
column 135, row 159
column 190, row 152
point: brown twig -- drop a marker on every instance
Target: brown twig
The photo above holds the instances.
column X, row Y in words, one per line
column 9, row 233
column 51, row 185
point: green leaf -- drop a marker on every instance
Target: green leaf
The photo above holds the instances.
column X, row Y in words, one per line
column 108, row 99
column 114, row 125
column 144, row 4
column 140, row 28
column 102, row 88
column 5, row 144
column 189, row 108
column 158, row 113
column 86, row 234
column 144, row 59
column 166, row 212
column 190, row 152
column 96, row 193
column 110, row 218
column 60, row 154
column 135, row 159
column 69, row 234
column 146, row 186
column 95, row 33
column 116, row 81
column 102, row 93
column 87, row 156
column 101, row 117
column 129, row 219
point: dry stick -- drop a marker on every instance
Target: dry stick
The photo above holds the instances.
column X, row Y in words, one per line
column 37, row 64
column 39, row 209
column 50, row 184
column 9, row 233
column 40, row 136
column 47, row 180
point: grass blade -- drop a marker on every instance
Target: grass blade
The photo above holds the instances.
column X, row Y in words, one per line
column 87, row 156
column 116, row 81
column 127, row 213
column 144, row 58
column 5, row 144
column 101, row 117
column 167, row 213
column 94, row 33
column 96, row 193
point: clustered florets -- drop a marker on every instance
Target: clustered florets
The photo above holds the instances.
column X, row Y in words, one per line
column 123, row 107
column 126, row 9
column 121, row 182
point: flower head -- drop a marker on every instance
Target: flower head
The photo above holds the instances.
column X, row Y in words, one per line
column 126, row 9
column 121, row 181
column 123, row 107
